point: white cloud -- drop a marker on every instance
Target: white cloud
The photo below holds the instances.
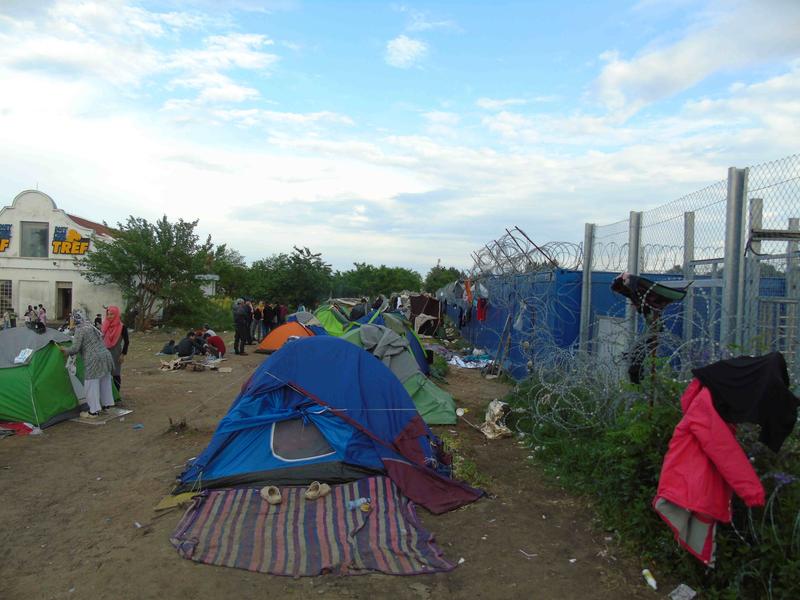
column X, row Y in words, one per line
column 404, row 52
column 730, row 36
column 254, row 116
column 497, row 104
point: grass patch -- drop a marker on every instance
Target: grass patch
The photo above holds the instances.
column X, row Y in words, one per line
column 464, row 468
column 612, row 454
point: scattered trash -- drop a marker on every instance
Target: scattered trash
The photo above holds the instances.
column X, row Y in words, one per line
column 483, row 537
column 494, row 427
column 138, row 426
column 462, row 560
column 648, row 577
column 72, row 589
column 188, row 391
column 352, row 504
column 526, row 555
column 225, row 370
column 682, row 592
column 573, row 560
column 137, row 524
column 98, row 479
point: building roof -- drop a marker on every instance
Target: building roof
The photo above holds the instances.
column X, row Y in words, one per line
column 98, row 227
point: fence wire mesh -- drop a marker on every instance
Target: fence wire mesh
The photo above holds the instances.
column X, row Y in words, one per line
column 544, row 299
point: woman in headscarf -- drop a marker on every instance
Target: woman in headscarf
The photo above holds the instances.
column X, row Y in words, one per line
column 115, row 337
column 97, row 362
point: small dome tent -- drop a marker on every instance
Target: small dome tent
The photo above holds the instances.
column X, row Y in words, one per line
column 323, row 409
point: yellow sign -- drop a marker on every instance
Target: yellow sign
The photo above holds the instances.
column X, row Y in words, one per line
column 69, row 241
column 5, row 236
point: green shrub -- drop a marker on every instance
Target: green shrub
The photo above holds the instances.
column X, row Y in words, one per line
column 216, row 312
column 439, row 368
column 614, row 458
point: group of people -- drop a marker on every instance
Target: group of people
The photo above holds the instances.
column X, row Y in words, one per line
column 36, row 318
column 103, row 351
column 253, row 321
column 201, row 342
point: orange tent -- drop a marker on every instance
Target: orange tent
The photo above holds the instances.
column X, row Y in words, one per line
column 279, row 335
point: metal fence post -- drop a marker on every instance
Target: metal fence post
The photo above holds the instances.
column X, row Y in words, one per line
column 732, row 276
column 752, row 279
column 792, row 294
column 586, row 287
column 634, row 268
column 688, row 275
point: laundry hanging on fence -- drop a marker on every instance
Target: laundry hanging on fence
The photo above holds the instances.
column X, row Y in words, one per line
column 703, row 466
column 483, row 304
column 753, row 389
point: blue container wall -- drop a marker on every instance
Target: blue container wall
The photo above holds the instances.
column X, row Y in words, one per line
column 542, row 309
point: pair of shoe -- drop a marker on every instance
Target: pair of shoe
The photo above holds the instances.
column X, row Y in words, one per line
column 87, row 414
column 317, row 490
column 272, row 494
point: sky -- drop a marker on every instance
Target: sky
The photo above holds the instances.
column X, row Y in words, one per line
column 389, row 133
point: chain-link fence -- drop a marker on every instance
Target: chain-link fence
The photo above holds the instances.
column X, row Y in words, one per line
column 728, row 253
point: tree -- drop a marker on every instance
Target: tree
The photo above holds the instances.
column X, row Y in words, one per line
column 440, row 276
column 234, row 275
column 301, row 277
column 369, row 280
column 154, row 264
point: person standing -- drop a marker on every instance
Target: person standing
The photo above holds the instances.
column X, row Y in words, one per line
column 268, row 316
column 97, row 362
column 42, row 314
column 115, row 337
column 248, row 307
column 282, row 312
column 28, row 316
column 255, row 327
column 240, row 326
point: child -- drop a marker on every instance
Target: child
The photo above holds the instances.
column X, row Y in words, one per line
column 169, row 348
column 98, row 321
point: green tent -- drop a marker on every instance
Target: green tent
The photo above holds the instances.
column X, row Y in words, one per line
column 39, row 391
column 436, row 406
column 333, row 320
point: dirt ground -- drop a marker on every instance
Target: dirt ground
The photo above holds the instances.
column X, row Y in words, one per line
column 70, row 499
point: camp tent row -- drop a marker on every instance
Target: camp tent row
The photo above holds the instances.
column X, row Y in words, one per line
column 385, row 335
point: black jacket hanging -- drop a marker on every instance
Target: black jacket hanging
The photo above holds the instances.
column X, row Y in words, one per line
column 751, row 389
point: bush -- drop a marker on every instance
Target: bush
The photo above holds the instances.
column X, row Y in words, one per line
column 216, row 312
column 616, row 462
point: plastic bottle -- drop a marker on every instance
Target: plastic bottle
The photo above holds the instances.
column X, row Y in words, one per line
column 648, row 577
column 353, row 504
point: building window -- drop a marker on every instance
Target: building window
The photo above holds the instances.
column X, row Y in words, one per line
column 34, row 239
column 5, row 295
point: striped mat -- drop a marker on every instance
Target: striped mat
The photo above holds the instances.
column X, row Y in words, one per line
column 236, row 528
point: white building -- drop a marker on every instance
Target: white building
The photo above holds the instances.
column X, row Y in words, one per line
column 38, row 246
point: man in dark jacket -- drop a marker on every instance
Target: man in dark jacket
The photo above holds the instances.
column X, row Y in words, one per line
column 241, row 327
column 186, row 347
column 248, row 307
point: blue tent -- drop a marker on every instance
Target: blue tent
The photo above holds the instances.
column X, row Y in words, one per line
column 323, row 409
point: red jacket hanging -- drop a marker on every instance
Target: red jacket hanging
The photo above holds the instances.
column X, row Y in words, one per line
column 703, row 466
column 482, row 306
